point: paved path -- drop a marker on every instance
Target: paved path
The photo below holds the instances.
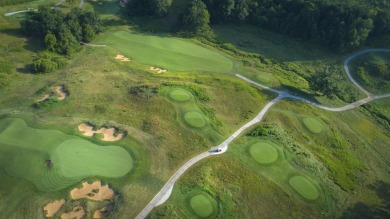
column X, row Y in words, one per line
column 81, row 4
column 16, row 12
column 164, row 193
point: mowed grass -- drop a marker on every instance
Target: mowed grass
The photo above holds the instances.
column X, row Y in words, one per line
column 180, row 95
column 201, row 205
column 26, row 151
column 195, row 119
column 304, row 187
column 313, row 125
column 263, row 153
column 166, row 52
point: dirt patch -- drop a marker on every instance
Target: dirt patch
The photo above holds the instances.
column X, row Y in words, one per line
column 158, row 70
column 108, row 133
column 94, row 191
column 77, row 212
column 53, row 207
column 104, row 212
column 122, row 58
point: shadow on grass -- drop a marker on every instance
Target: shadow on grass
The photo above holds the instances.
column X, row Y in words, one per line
column 361, row 210
column 32, row 44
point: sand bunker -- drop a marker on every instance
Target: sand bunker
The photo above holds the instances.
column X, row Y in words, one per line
column 43, row 98
column 94, row 191
column 108, row 133
column 77, row 212
column 122, row 58
column 158, row 70
column 58, row 91
column 53, row 207
column 103, row 212
column 61, row 95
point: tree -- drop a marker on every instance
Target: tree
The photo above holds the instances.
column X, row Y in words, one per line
column 157, row 8
column 50, row 41
column 196, row 20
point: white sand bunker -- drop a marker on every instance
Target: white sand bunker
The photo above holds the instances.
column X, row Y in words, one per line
column 94, row 191
column 53, row 207
column 158, row 70
column 122, row 58
column 77, row 212
column 58, row 91
column 108, row 133
column 104, row 212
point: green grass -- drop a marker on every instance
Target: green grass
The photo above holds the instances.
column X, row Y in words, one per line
column 27, row 149
column 313, row 125
column 201, row 205
column 304, row 187
column 195, row 119
column 372, row 71
column 191, row 115
column 166, row 52
column 180, row 95
column 263, row 153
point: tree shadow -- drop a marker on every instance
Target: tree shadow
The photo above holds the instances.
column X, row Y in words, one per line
column 364, row 211
column 31, row 44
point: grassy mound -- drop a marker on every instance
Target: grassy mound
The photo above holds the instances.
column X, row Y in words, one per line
column 180, row 95
column 313, row 125
column 201, row 205
column 166, row 52
column 195, row 119
column 53, row 160
column 263, row 153
column 263, row 78
column 304, row 187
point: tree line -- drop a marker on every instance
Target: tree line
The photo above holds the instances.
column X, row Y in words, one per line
column 60, row 32
column 341, row 25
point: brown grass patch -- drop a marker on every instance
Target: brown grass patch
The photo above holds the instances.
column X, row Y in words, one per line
column 78, row 212
column 94, row 191
column 53, row 207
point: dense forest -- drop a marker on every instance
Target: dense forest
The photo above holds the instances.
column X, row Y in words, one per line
column 343, row 25
column 60, row 32
column 340, row 25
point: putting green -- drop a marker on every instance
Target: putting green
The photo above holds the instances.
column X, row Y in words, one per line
column 263, row 78
column 304, row 187
column 25, row 153
column 180, row 95
column 263, row 153
column 167, row 52
column 195, row 119
column 313, row 125
column 201, row 205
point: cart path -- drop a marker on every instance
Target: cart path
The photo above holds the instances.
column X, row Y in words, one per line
column 166, row 190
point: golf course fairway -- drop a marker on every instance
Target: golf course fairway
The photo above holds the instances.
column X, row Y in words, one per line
column 313, row 125
column 201, row 205
column 263, row 153
column 166, row 52
column 180, row 95
column 304, row 187
column 53, row 160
